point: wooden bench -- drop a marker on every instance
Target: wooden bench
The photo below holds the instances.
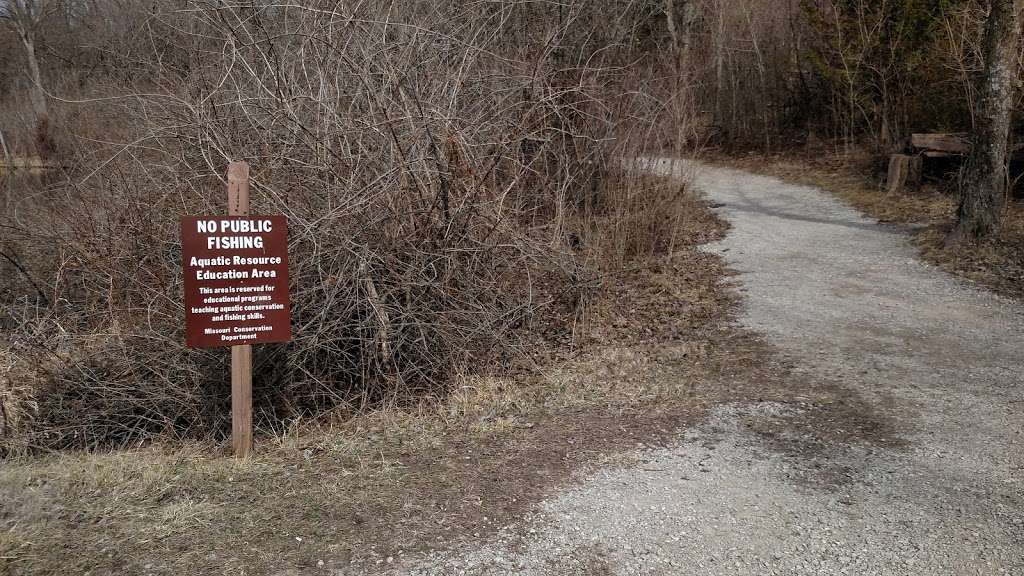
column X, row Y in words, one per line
column 940, row 145
column 906, row 168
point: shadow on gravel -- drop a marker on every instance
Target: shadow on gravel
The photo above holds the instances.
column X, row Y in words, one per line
column 753, row 207
column 824, row 441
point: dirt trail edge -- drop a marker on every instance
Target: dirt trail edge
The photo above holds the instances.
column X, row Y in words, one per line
column 847, row 301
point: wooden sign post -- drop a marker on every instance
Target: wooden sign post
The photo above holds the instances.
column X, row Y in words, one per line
column 241, row 355
column 236, row 290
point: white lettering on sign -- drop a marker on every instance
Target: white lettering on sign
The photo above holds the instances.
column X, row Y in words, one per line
column 234, row 242
column 234, row 226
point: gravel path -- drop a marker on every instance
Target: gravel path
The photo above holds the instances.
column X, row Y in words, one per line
column 847, row 301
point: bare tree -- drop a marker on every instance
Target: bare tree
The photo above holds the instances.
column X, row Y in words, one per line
column 983, row 185
column 678, row 17
column 24, row 17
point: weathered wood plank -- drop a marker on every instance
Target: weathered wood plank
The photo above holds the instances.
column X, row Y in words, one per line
column 241, row 356
column 938, row 142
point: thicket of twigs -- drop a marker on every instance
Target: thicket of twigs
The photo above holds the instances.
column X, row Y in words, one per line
column 451, row 171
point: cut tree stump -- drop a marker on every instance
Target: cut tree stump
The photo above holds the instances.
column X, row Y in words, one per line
column 904, row 171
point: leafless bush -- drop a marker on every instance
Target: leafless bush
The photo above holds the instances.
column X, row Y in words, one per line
column 17, row 403
column 449, row 171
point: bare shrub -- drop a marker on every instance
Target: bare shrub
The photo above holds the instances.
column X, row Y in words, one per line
column 17, row 405
column 450, row 172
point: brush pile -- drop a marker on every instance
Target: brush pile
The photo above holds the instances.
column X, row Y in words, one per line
column 451, row 173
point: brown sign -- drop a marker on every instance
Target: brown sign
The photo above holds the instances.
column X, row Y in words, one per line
column 236, row 280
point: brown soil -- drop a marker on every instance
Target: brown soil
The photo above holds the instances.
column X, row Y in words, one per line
column 996, row 263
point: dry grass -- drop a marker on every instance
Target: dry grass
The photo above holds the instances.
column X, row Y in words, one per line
column 386, row 483
column 996, row 263
column 460, row 158
column 449, row 174
column 653, row 354
column 395, row 483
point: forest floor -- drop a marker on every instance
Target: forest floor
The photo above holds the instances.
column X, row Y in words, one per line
column 804, row 396
column 857, row 177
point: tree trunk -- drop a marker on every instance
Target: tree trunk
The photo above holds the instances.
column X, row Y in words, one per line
column 8, row 174
column 677, row 18
column 983, row 185
column 38, row 97
column 719, row 39
column 25, row 17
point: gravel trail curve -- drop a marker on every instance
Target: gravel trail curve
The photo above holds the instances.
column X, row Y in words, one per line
column 846, row 300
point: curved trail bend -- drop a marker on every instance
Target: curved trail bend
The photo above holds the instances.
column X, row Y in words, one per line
column 846, row 300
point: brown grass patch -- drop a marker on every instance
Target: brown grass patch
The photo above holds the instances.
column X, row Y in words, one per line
column 652, row 356
column 384, row 485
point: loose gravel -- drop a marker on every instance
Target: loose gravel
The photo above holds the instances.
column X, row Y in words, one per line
column 847, row 301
